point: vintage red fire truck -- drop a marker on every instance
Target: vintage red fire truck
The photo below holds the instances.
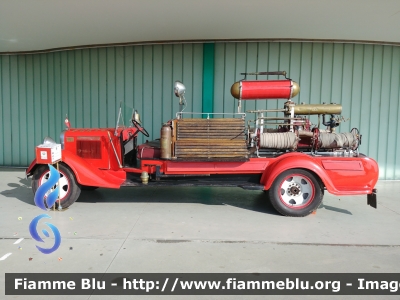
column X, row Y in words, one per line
column 286, row 156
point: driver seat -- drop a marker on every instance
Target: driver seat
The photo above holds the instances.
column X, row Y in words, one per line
column 149, row 150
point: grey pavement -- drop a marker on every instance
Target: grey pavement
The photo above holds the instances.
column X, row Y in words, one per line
column 192, row 230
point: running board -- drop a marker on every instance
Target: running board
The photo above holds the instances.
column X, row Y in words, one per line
column 133, row 182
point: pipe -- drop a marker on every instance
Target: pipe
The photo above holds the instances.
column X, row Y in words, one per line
column 115, row 151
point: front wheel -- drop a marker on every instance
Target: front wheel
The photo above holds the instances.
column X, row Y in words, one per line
column 69, row 189
column 296, row 193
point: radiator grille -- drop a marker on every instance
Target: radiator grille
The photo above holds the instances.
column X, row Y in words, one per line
column 88, row 149
column 211, row 140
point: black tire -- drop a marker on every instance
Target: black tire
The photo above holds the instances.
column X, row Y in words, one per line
column 296, row 193
column 88, row 188
column 70, row 189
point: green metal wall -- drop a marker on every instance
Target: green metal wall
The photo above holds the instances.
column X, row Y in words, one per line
column 363, row 78
column 36, row 91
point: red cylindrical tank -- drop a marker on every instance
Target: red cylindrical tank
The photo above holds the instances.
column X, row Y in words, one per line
column 264, row 89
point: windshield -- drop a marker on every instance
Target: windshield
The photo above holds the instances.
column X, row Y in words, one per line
column 124, row 114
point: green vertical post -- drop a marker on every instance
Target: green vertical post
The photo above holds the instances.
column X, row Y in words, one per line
column 208, row 78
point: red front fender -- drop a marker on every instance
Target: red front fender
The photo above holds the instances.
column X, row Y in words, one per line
column 86, row 174
column 31, row 168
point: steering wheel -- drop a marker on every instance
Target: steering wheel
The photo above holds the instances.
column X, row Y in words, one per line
column 140, row 128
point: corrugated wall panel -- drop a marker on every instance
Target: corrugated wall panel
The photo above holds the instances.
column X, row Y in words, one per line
column 6, row 103
column 364, row 79
column 37, row 91
column 393, row 145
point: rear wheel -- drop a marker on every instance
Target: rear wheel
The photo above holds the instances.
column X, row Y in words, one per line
column 69, row 189
column 296, row 193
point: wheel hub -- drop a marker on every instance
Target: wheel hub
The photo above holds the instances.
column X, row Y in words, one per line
column 63, row 184
column 294, row 189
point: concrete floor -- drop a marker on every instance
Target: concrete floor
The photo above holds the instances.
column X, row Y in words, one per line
column 192, row 230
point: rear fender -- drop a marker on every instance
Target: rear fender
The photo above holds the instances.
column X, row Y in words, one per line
column 297, row 161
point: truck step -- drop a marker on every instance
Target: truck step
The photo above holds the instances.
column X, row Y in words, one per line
column 133, row 182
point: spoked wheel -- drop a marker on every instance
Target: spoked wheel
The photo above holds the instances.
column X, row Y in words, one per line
column 296, row 193
column 69, row 189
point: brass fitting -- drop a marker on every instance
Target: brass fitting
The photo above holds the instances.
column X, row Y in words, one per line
column 144, row 177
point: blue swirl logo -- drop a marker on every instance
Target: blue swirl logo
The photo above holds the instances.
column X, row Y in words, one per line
column 46, row 197
column 51, row 198
column 36, row 237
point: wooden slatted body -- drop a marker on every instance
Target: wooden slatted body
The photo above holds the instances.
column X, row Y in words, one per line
column 211, row 140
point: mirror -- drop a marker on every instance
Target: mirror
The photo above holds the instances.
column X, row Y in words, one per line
column 179, row 89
